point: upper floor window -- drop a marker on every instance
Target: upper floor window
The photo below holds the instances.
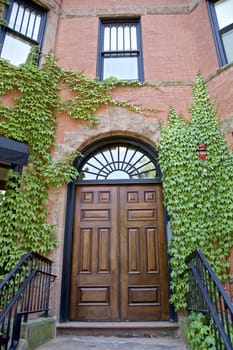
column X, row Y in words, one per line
column 120, row 50
column 221, row 14
column 24, row 30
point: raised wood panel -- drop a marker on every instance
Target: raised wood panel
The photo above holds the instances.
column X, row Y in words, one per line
column 133, row 250
column 141, row 214
column 87, row 197
column 104, row 196
column 93, row 214
column 132, row 197
column 150, row 196
column 144, row 295
column 94, row 295
column 104, row 264
column 152, row 250
column 85, row 250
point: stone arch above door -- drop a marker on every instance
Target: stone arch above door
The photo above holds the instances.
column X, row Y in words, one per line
column 113, row 121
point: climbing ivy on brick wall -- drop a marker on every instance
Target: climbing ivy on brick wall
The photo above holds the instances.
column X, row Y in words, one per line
column 32, row 118
column 198, row 193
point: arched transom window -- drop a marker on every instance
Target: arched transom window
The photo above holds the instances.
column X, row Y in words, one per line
column 118, row 162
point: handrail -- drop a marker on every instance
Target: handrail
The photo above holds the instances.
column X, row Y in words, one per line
column 207, row 295
column 23, row 291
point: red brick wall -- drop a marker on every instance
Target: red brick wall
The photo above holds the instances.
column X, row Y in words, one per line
column 76, row 45
column 168, row 47
column 177, row 43
column 203, row 39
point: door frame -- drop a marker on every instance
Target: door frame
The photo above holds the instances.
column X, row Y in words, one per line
column 70, row 205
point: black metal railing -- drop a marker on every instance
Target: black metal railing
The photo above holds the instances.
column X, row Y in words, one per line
column 207, row 295
column 23, row 291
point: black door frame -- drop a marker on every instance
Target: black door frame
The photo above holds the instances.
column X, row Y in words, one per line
column 68, row 234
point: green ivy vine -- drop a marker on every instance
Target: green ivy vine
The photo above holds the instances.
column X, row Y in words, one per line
column 200, row 334
column 32, row 118
column 198, row 193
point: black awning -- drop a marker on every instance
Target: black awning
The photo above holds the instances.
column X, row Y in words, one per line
column 13, row 152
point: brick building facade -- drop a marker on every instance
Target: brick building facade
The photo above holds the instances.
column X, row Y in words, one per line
column 170, row 42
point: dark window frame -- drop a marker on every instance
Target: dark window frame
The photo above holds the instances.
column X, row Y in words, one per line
column 134, row 53
column 217, row 33
column 5, row 29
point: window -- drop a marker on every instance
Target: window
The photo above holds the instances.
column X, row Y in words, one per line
column 221, row 15
column 120, row 51
column 118, row 162
column 25, row 29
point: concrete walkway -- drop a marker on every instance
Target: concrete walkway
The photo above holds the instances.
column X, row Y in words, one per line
column 113, row 343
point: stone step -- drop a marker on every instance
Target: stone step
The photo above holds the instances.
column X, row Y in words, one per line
column 113, row 343
column 119, row 329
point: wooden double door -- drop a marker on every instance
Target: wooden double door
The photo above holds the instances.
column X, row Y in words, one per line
column 119, row 259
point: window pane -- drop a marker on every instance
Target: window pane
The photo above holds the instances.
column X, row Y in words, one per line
column 228, row 45
column 19, row 19
column 15, row 49
column 133, row 38
column 127, row 38
column 118, row 174
column 106, row 39
column 120, row 39
column 36, row 28
column 113, row 39
column 25, row 22
column 13, row 15
column 224, row 12
column 31, row 24
column 125, row 68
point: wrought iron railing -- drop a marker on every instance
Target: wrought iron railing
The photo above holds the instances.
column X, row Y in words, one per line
column 207, row 295
column 23, row 291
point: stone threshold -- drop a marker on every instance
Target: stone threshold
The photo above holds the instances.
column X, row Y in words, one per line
column 126, row 329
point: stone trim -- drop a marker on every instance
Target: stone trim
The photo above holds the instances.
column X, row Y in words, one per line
column 131, row 11
column 194, row 4
column 115, row 121
column 49, row 5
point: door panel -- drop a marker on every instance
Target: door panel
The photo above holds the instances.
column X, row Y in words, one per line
column 119, row 269
column 144, row 291
column 94, row 275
